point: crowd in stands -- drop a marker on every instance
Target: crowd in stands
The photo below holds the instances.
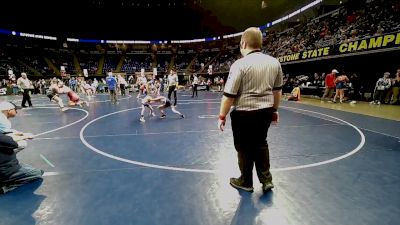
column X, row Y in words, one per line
column 90, row 64
column 134, row 63
column 224, row 62
column 163, row 61
column 344, row 25
column 202, row 60
column 8, row 63
column 110, row 64
column 183, row 61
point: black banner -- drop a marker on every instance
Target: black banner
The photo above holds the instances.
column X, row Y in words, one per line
column 378, row 42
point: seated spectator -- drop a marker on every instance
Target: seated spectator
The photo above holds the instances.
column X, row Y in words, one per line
column 9, row 110
column 12, row 173
column 295, row 94
column 382, row 85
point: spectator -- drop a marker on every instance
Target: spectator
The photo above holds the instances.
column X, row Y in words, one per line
column 295, row 94
column 356, row 86
column 329, row 84
column 12, row 173
column 382, row 85
column 112, row 86
column 396, row 89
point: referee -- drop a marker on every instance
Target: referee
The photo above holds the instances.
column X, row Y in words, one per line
column 253, row 88
column 195, row 83
column 25, row 84
column 172, row 85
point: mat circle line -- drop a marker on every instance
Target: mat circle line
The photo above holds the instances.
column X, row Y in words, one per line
column 62, row 127
column 355, row 150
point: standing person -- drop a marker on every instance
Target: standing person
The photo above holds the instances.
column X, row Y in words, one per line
column 12, row 173
column 161, row 85
column 216, row 82
column 130, row 79
column 24, row 84
column 122, row 84
column 222, row 82
column 356, row 86
column 112, row 86
column 208, row 84
column 14, row 85
column 142, row 82
column 329, row 85
column 340, row 85
column 157, row 86
column 72, row 83
column 94, row 85
column 254, row 88
column 194, row 84
column 172, row 85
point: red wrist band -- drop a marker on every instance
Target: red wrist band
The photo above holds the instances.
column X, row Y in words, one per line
column 221, row 117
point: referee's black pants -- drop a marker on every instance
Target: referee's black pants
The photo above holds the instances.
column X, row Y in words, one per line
column 194, row 90
column 250, row 130
column 170, row 90
column 122, row 87
column 26, row 97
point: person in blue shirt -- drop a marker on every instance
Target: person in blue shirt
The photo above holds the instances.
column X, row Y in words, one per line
column 112, row 86
column 72, row 84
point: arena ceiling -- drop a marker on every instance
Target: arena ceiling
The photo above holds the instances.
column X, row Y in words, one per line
column 141, row 19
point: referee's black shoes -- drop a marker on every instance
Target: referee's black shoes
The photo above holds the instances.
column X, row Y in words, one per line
column 238, row 184
column 267, row 186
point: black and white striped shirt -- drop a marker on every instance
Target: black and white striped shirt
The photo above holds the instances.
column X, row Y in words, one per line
column 195, row 80
column 172, row 79
column 251, row 81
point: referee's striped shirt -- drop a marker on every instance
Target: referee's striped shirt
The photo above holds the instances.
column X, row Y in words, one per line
column 251, row 81
column 172, row 80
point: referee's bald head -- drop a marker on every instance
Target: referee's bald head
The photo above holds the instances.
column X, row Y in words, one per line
column 252, row 36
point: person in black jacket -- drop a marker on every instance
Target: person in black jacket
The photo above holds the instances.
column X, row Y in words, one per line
column 13, row 173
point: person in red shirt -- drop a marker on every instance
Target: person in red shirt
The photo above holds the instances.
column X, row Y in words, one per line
column 330, row 85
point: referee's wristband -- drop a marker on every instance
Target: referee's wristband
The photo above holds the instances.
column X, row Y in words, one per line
column 221, row 117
